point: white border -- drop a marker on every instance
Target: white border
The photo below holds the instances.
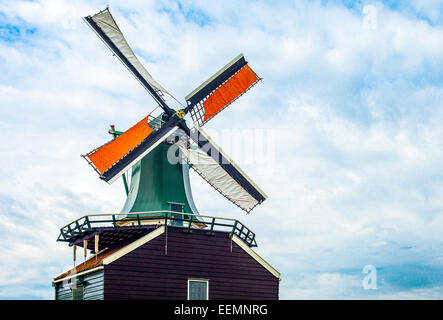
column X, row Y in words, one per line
column 118, row 254
column 76, row 274
column 134, row 245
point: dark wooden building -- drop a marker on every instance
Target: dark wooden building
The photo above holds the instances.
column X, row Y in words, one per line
column 154, row 262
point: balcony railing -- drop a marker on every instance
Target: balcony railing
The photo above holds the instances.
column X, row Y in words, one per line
column 92, row 222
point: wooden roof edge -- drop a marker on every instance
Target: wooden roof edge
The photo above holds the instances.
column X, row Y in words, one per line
column 256, row 257
column 91, row 263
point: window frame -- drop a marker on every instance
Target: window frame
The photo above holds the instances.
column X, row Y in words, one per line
column 206, row 281
column 78, row 286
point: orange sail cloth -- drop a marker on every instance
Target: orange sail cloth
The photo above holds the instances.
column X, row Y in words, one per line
column 104, row 157
column 229, row 91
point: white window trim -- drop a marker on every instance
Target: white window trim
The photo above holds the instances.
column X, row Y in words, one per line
column 69, row 276
column 200, row 280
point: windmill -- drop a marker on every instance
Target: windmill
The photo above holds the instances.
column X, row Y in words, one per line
column 159, row 246
column 130, row 149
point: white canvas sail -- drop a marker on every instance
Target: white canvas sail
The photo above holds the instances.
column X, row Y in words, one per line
column 218, row 178
column 109, row 27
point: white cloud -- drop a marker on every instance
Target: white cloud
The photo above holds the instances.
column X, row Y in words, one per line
column 356, row 173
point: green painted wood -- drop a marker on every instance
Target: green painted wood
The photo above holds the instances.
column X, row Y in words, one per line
column 155, row 183
column 93, row 287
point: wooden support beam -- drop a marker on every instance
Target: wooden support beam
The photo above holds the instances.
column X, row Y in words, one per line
column 85, row 249
column 74, row 253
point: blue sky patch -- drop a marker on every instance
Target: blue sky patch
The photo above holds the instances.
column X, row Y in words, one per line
column 11, row 32
column 190, row 14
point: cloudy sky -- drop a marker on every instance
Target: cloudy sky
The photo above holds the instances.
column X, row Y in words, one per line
column 346, row 126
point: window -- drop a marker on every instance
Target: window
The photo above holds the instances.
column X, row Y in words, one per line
column 198, row 289
column 77, row 292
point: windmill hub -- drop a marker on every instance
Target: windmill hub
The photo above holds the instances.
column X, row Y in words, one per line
column 180, row 113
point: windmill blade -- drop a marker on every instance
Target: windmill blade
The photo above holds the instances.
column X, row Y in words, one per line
column 219, row 91
column 104, row 25
column 117, row 156
column 214, row 166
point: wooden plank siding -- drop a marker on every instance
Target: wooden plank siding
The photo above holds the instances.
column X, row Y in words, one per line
column 62, row 293
column 93, row 288
column 148, row 273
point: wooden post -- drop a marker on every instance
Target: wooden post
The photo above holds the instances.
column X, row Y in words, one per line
column 96, row 240
column 166, row 233
column 74, row 253
column 85, row 250
column 212, row 227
